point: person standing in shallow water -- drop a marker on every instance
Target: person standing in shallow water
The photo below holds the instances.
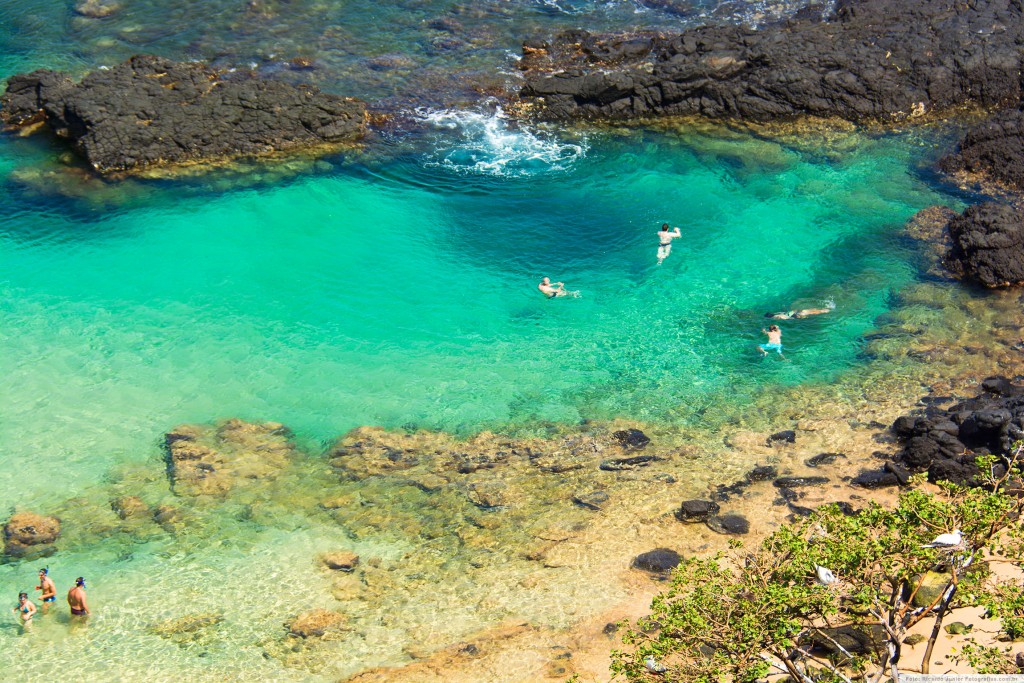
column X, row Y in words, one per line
column 665, row 241
column 774, row 341
column 25, row 610
column 76, row 599
column 48, row 588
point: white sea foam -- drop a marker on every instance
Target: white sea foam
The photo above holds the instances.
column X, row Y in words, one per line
column 490, row 143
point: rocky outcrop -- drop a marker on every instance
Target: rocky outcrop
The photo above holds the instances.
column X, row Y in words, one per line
column 657, row 561
column 186, row 629
column 212, row 461
column 944, row 442
column 988, row 245
column 150, row 111
column 316, row 623
column 28, row 535
column 932, row 55
column 340, row 560
column 130, row 507
column 992, row 151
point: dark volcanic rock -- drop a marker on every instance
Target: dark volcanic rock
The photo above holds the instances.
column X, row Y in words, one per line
column 696, row 510
column 994, row 150
column 657, row 561
column 592, row 500
column 823, row 459
column 620, row 464
column 988, row 245
column 762, row 473
column 729, row 524
column 794, row 482
column 785, row 436
column 875, row 479
column 931, row 55
column 150, row 111
column 631, row 438
column 946, row 440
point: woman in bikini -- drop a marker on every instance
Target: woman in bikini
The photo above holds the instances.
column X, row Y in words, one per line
column 25, row 609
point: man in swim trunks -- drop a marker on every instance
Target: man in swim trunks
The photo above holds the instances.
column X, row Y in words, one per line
column 76, row 599
column 48, row 587
column 551, row 290
column 665, row 241
column 774, row 341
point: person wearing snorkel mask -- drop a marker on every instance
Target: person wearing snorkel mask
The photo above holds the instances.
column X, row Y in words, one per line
column 48, row 588
column 76, row 599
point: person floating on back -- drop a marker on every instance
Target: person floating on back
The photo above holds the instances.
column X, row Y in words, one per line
column 553, row 290
column 76, row 599
column 774, row 341
column 665, row 241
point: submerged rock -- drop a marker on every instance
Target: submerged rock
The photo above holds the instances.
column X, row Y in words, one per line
column 97, row 9
column 795, row 482
column 187, row 628
column 763, row 473
column 728, row 524
column 621, row 464
column 696, row 510
column 823, row 459
column 631, row 438
column 28, row 534
column 316, row 623
column 150, row 111
column 341, row 560
column 785, row 436
column 129, row 507
column 211, row 461
column 657, row 561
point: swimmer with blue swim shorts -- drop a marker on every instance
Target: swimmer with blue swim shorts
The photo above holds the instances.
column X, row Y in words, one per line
column 774, row 341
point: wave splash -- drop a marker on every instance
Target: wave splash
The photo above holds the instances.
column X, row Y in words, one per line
column 490, row 143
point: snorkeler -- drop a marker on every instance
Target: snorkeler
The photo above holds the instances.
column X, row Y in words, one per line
column 774, row 341
column 25, row 609
column 48, row 588
column 76, row 599
column 802, row 313
column 665, row 241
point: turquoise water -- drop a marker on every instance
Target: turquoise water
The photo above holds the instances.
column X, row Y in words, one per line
column 402, row 293
column 395, row 286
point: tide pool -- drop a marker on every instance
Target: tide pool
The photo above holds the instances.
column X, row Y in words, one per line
column 402, row 292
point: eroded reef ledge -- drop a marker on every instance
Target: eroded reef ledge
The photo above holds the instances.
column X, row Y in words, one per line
column 151, row 112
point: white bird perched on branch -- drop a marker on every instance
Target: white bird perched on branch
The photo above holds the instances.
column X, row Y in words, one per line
column 946, row 540
column 825, row 575
column 654, row 666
